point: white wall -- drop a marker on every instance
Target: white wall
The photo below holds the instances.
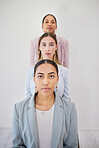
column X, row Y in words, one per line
column 78, row 21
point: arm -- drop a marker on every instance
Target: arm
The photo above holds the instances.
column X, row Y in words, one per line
column 72, row 138
column 27, row 93
column 32, row 54
column 66, row 53
column 66, row 83
column 17, row 141
column 34, row 51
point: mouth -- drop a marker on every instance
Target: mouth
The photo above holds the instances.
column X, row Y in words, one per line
column 49, row 28
column 47, row 53
column 45, row 89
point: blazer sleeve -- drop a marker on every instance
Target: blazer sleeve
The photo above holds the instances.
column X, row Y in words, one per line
column 66, row 83
column 66, row 53
column 32, row 53
column 27, row 92
column 17, row 141
column 72, row 138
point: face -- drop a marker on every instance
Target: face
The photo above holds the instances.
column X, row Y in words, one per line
column 46, row 79
column 48, row 47
column 49, row 24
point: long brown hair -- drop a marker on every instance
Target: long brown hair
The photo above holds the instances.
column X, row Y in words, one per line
column 55, row 56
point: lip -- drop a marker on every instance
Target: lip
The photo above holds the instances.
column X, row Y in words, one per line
column 47, row 53
column 45, row 89
column 49, row 28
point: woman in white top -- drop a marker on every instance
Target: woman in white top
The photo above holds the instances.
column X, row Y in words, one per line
column 45, row 120
column 48, row 50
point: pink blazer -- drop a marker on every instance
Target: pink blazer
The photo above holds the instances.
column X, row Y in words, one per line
column 63, row 51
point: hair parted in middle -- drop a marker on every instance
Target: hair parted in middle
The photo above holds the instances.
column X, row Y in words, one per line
column 49, row 15
column 55, row 56
column 43, row 62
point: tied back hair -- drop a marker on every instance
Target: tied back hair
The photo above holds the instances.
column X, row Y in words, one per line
column 48, row 15
column 43, row 62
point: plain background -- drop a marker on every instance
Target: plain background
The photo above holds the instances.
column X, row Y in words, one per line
column 78, row 22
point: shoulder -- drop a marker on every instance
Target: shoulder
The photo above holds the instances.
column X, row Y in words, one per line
column 61, row 39
column 35, row 40
column 68, row 106
column 30, row 69
column 62, row 68
column 20, row 106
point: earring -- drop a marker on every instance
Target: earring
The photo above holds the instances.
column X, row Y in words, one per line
column 56, row 88
column 35, row 89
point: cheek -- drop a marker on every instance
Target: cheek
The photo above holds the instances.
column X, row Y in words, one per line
column 37, row 83
column 44, row 26
column 54, row 26
column 53, row 83
column 53, row 50
column 42, row 50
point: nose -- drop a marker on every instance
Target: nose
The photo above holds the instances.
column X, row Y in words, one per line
column 47, row 47
column 49, row 23
column 45, row 81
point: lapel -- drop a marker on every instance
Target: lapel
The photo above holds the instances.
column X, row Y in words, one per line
column 32, row 121
column 57, row 122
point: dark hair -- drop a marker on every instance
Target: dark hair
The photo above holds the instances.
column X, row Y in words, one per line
column 46, row 16
column 55, row 57
column 45, row 61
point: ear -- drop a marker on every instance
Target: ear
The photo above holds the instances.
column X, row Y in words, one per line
column 42, row 26
column 56, row 27
column 34, row 78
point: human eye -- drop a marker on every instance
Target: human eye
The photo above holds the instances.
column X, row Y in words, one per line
column 51, row 76
column 53, row 22
column 46, row 21
column 43, row 44
column 40, row 76
column 51, row 44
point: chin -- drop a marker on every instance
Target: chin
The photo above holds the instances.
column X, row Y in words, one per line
column 46, row 94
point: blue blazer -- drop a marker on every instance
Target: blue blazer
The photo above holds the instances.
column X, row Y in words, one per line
column 62, row 86
column 64, row 133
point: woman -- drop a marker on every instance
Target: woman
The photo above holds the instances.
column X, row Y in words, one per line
column 45, row 120
column 48, row 50
column 49, row 25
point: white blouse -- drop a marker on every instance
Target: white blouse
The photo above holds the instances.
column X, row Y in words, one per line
column 44, row 125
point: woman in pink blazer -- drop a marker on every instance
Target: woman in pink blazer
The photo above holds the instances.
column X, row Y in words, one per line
column 49, row 24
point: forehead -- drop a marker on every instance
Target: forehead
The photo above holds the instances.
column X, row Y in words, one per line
column 46, row 68
column 48, row 39
column 49, row 17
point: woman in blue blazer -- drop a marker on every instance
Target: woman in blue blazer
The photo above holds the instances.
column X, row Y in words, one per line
column 48, row 50
column 45, row 120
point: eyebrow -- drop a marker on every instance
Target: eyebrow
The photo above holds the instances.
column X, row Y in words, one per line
column 48, row 19
column 51, row 73
column 40, row 73
column 45, row 42
column 52, row 42
column 48, row 73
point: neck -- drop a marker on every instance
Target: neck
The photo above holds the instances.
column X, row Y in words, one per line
column 44, row 102
column 48, row 58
